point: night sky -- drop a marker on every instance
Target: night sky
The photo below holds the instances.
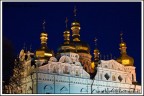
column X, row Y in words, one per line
column 22, row 23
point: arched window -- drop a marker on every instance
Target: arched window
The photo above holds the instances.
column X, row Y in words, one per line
column 48, row 89
column 120, row 78
column 113, row 78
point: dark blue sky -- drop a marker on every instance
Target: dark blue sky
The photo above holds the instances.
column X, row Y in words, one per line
column 22, row 23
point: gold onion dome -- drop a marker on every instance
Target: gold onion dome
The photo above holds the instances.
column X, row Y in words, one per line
column 75, row 23
column 122, row 44
column 124, row 58
column 96, row 50
column 81, row 47
column 66, row 46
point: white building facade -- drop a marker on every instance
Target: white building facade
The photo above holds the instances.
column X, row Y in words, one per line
column 67, row 76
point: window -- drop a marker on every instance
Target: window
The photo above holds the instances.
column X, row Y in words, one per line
column 107, row 76
column 113, row 78
column 120, row 78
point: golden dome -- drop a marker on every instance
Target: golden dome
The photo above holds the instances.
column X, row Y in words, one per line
column 96, row 50
column 126, row 60
column 75, row 23
column 81, row 47
column 44, row 53
column 122, row 44
column 67, row 48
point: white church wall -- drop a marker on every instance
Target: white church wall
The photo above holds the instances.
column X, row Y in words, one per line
column 46, row 81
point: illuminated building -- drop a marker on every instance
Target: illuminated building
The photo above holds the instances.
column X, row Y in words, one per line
column 71, row 70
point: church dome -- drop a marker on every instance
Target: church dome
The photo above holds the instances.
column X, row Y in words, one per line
column 122, row 44
column 96, row 50
column 67, row 48
column 81, row 47
column 44, row 53
column 126, row 60
column 75, row 23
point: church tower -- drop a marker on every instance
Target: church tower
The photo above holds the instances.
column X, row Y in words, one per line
column 96, row 60
column 82, row 48
column 44, row 53
column 67, row 45
column 126, row 60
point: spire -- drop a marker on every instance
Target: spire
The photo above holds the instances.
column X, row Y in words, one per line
column 121, row 34
column 122, row 44
column 44, row 52
column 96, row 51
column 66, row 34
column 75, row 27
column 44, row 36
column 75, row 11
column 95, row 41
column 43, row 24
column 124, row 58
